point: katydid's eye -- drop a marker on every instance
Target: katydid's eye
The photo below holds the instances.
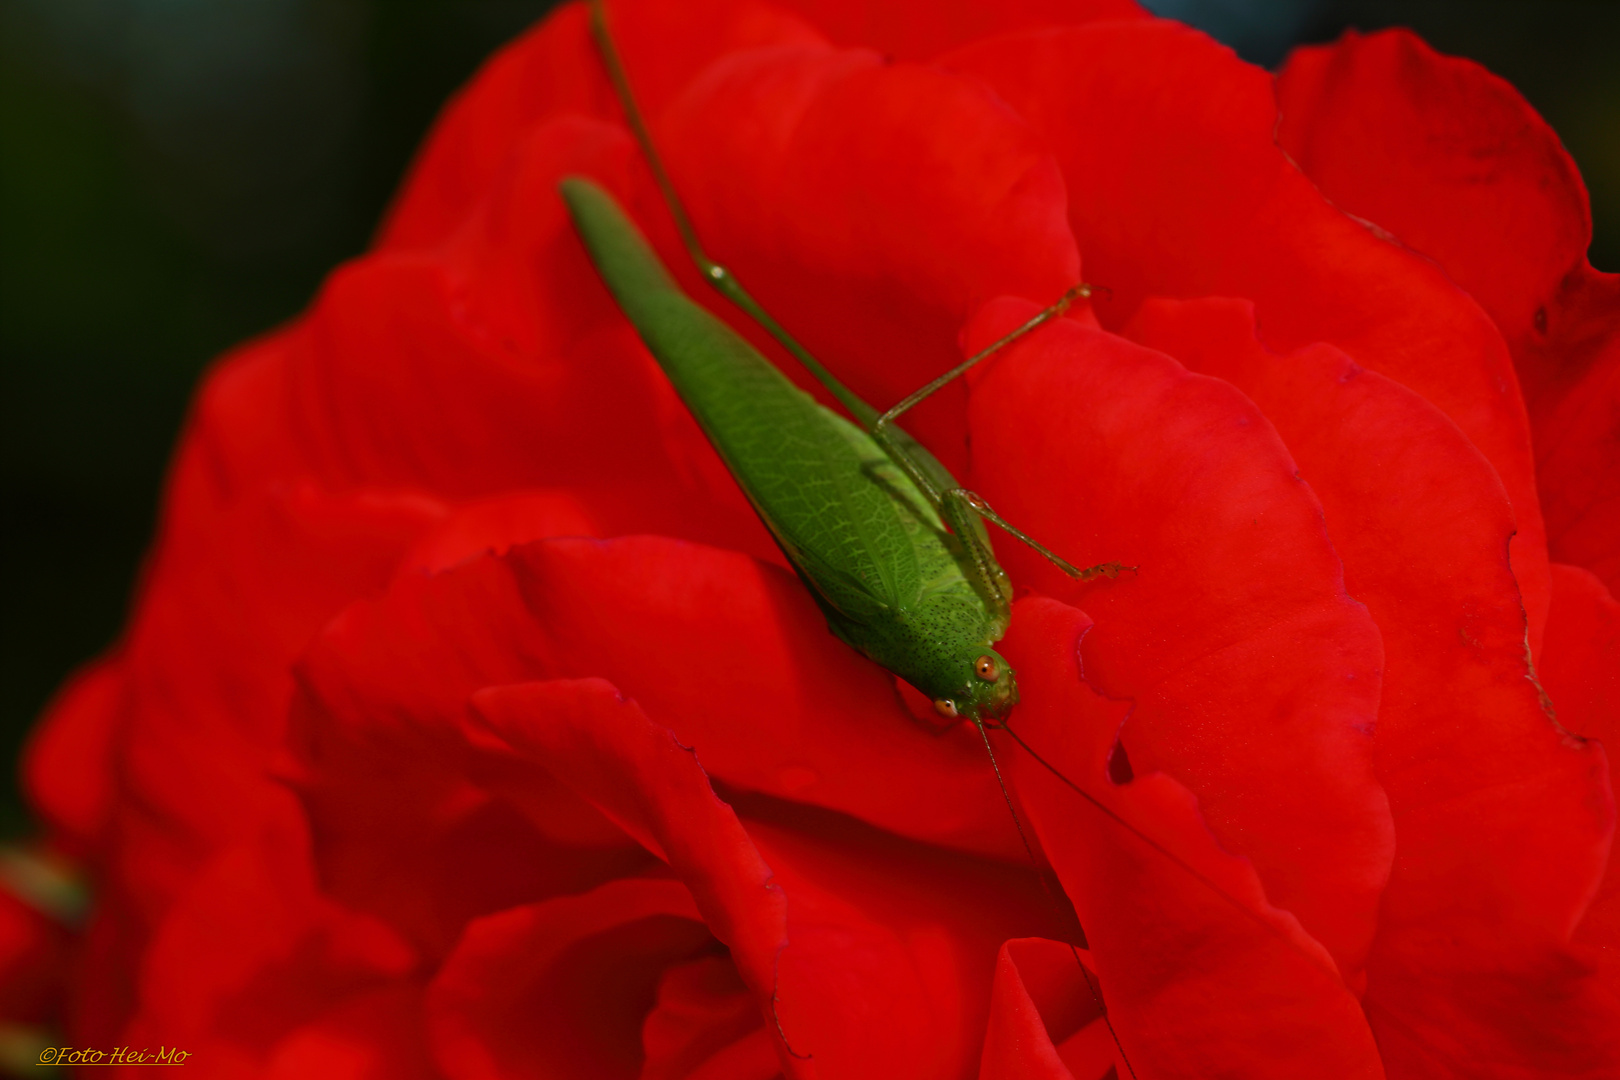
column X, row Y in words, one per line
column 945, row 707
column 986, row 668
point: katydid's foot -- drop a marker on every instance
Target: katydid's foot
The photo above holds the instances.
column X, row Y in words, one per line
column 976, row 502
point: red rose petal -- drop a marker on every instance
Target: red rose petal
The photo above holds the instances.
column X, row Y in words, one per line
column 628, row 767
column 889, row 946
column 375, row 1036
column 498, row 524
column 1491, row 802
column 636, row 773
column 402, row 822
column 1038, row 991
column 253, row 559
column 907, row 32
column 1255, row 676
column 1202, row 976
column 730, row 651
column 1454, row 162
column 560, row 988
column 555, row 70
column 1091, row 1051
column 409, row 818
column 67, row 767
column 836, row 188
column 1581, row 673
column 510, row 367
column 1445, row 155
column 239, row 438
column 231, row 600
column 706, row 1023
column 251, row 952
column 245, row 576
column 481, row 394
column 1180, row 191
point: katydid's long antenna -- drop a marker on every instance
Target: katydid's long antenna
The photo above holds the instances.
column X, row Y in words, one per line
column 1096, row 993
column 638, row 126
column 712, row 272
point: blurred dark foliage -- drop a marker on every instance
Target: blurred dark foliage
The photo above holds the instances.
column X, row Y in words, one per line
column 178, row 175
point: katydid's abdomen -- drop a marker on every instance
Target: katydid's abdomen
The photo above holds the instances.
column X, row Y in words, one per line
column 890, row 578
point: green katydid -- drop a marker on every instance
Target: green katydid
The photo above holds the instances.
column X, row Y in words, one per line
column 861, row 513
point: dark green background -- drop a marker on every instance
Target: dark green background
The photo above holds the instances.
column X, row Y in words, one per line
column 176, row 175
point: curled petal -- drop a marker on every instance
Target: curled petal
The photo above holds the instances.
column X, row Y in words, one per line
column 1201, row 974
column 1491, row 800
column 1255, row 677
column 1253, row 226
column 1455, row 163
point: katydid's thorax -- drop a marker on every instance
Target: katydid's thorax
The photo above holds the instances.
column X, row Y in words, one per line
column 900, row 590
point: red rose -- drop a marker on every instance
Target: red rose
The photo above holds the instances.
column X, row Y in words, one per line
column 470, row 725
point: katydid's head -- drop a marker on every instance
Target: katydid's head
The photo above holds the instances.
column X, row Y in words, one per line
column 986, row 690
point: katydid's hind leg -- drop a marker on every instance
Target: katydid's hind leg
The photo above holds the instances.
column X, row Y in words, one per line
column 976, row 503
column 722, row 279
column 1076, row 292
